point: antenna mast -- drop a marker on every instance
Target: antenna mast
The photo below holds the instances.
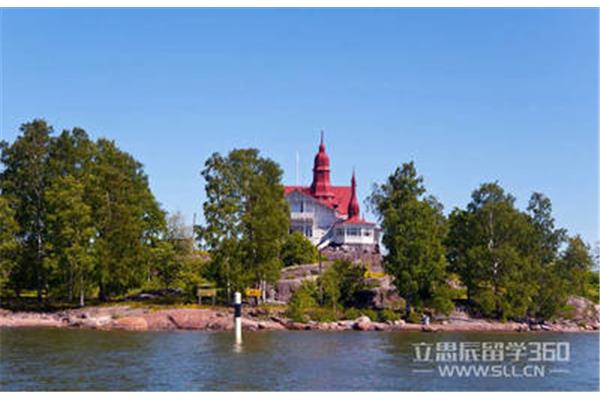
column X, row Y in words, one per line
column 297, row 168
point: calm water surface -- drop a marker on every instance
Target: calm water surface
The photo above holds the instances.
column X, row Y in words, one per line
column 62, row 359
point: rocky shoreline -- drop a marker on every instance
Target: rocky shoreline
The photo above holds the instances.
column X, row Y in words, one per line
column 221, row 319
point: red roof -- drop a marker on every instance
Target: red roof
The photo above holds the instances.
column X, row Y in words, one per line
column 342, row 199
column 356, row 221
column 339, row 202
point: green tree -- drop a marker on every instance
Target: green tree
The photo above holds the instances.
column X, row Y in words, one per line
column 165, row 263
column 552, row 292
column 192, row 273
column 458, row 244
column 24, row 180
column 71, row 236
column 9, row 246
column 127, row 218
column 52, row 184
column 330, row 284
column 246, row 219
column 413, row 232
column 489, row 246
column 297, row 249
column 303, row 300
column 341, row 283
column 576, row 264
column 72, row 153
column 548, row 238
column 545, row 244
column 171, row 251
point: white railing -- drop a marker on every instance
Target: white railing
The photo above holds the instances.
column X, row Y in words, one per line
column 305, row 216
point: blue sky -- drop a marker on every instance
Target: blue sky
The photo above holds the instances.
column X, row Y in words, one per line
column 471, row 95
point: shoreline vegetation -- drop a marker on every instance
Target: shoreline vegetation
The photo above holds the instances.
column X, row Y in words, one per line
column 80, row 227
column 138, row 317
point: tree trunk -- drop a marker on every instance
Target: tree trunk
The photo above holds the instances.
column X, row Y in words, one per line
column 81, row 291
column 70, row 295
column 39, row 285
column 102, row 294
column 39, row 255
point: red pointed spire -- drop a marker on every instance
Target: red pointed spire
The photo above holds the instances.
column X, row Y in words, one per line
column 353, row 207
column 321, row 185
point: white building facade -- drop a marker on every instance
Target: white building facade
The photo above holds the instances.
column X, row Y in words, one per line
column 330, row 215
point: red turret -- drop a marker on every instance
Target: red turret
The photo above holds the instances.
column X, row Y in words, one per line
column 321, row 185
column 353, row 208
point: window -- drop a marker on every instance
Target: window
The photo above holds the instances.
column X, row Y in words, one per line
column 308, row 231
column 353, row 232
column 295, row 206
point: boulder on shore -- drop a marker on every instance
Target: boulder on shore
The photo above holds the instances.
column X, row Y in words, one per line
column 131, row 324
column 583, row 311
column 362, row 323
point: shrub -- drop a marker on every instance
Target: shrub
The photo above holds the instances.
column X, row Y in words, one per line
column 442, row 301
column 592, row 286
column 351, row 281
column 323, row 314
column 330, row 281
column 372, row 314
column 342, row 282
column 303, row 299
column 352, row 313
column 191, row 276
column 568, row 311
column 413, row 317
column 297, row 249
column 388, row 315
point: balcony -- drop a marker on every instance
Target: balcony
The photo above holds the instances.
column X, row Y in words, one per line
column 301, row 216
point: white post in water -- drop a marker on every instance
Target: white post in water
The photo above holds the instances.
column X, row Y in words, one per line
column 237, row 317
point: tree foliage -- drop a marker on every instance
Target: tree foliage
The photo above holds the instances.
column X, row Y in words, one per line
column 510, row 260
column 77, row 219
column 128, row 219
column 414, row 229
column 341, row 283
column 303, row 300
column 24, row 181
column 576, row 263
column 297, row 249
column 247, row 218
column 85, row 215
column 9, row 246
column 492, row 254
column 70, row 256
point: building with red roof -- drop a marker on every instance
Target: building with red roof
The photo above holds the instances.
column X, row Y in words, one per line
column 330, row 215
